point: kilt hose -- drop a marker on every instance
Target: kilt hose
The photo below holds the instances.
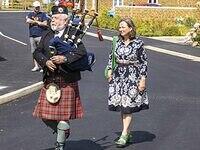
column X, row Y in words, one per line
column 68, row 107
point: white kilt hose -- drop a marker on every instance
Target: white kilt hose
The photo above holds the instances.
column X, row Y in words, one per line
column 68, row 107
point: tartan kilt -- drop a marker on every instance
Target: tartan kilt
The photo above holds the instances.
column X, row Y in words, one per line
column 68, row 107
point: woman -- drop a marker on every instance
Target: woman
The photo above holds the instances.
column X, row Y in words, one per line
column 127, row 83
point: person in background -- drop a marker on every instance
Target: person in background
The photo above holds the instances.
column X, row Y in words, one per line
column 59, row 84
column 37, row 21
column 127, row 83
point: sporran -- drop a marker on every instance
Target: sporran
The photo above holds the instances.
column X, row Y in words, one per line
column 53, row 93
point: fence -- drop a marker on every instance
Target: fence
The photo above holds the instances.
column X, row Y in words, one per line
column 26, row 5
column 15, row 6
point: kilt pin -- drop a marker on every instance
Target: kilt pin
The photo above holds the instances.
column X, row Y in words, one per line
column 67, row 108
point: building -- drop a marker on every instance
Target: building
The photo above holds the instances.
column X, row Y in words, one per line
column 121, row 3
column 169, row 9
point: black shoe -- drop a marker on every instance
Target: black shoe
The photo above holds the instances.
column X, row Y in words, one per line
column 59, row 146
column 67, row 133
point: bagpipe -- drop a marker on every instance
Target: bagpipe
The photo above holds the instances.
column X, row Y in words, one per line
column 59, row 46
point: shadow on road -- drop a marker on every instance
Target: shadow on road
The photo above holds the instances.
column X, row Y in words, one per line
column 138, row 137
column 80, row 145
column 142, row 136
column 2, row 59
column 99, row 144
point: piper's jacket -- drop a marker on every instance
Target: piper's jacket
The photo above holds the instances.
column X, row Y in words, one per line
column 42, row 54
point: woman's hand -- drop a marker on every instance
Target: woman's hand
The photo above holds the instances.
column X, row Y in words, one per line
column 109, row 75
column 142, row 84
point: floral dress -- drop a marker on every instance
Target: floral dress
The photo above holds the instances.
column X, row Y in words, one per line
column 123, row 87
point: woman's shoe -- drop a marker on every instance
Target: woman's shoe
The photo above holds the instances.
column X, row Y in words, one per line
column 130, row 138
column 122, row 141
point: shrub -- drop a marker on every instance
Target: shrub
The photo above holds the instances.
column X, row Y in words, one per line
column 152, row 27
column 196, row 34
column 106, row 21
column 189, row 22
column 149, row 27
column 183, row 30
column 145, row 28
column 172, row 31
column 193, row 36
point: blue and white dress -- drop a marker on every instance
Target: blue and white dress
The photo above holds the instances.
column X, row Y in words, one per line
column 123, row 87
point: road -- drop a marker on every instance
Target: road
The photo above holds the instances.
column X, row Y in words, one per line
column 171, row 123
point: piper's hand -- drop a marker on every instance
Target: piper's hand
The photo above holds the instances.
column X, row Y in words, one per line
column 142, row 84
column 50, row 65
column 58, row 59
column 109, row 75
column 37, row 22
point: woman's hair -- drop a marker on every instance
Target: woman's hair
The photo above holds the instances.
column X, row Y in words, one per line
column 130, row 24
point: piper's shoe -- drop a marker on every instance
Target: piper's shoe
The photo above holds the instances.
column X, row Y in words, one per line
column 41, row 70
column 67, row 133
column 59, row 146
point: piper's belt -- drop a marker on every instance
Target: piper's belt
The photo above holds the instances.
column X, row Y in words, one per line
column 127, row 62
column 56, row 79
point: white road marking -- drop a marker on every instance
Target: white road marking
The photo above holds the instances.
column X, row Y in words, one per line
column 160, row 50
column 3, row 87
column 21, row 92
column 173, row 53
column 12, row 39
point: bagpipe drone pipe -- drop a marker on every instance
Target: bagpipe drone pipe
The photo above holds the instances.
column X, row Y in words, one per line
column 71, row 42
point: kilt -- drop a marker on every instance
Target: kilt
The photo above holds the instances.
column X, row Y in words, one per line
column 68, row 107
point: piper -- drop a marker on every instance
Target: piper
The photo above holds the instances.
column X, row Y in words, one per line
column 59, row 100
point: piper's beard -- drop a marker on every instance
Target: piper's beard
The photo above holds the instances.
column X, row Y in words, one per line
column 57, row 28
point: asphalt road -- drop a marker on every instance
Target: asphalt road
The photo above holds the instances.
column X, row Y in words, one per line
column 15, row 58
column 171, row 123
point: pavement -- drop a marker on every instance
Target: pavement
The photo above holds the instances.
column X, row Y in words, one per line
column 171, row 39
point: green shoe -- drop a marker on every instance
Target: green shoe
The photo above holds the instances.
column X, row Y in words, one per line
column 130, row 138
column 122, row 141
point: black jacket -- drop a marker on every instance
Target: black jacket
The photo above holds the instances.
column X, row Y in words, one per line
column 41, row 55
